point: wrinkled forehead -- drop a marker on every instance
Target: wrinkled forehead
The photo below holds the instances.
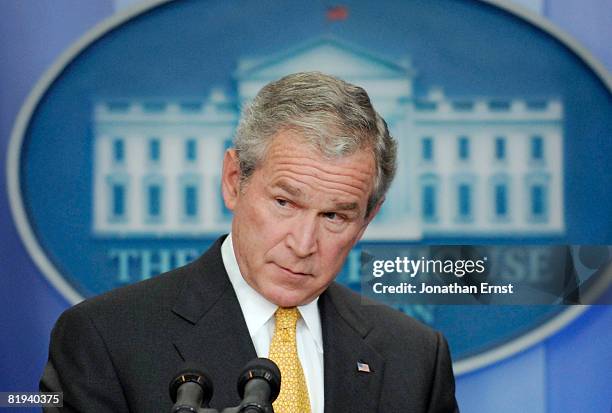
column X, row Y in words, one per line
column 291, row 156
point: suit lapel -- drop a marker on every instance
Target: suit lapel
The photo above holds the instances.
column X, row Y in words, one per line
column 344, row 341
column 214, row 336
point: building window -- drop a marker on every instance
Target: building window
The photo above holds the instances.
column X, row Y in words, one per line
column 190, row 106
column 537, row 191
column 118, row 200
column 463, row 148
column 462, row 106
column 500, row 148
column 500, row 105
column 499, row 190
column 118, row 106
column 464, row 192
column 427, row 149
column 537, row 148
column 154, row 194
column 538, row 201
column 425, row 105
column 189, row 197
column 191, row 150
column 118, row 150
column 154, row 107
column 154, row 150
column 429, row 202
column 429, row 197
column 190, row 201
column 501, row 200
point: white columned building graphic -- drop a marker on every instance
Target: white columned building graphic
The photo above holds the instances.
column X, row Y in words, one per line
column 468, row 165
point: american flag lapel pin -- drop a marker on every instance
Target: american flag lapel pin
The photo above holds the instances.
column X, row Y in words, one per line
column 363, row 367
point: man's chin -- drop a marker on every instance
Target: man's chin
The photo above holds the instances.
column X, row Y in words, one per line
column 284, row 298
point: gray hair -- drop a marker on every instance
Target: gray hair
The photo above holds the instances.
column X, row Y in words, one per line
column 334, row 116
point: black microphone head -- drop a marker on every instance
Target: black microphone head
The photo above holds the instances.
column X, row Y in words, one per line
column 262, row 368
column 192, row 375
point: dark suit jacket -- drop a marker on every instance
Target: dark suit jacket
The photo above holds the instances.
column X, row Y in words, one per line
column 118, row 352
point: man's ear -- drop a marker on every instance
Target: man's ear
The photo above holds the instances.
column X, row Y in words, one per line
column 370, row 217
column 230, row 179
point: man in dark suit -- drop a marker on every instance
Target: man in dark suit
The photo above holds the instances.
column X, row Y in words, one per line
column 312, row 163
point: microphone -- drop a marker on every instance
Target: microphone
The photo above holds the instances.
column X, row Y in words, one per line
column 258, row 386
column 189, row 390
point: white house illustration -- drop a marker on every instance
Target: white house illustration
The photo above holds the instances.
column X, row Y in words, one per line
column 468, row 166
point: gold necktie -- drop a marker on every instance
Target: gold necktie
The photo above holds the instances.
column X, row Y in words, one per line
column 293, row 397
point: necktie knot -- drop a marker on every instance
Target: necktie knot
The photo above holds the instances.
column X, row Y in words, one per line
column 286, row 317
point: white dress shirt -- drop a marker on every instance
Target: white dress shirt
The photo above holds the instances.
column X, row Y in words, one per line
column 259, row 316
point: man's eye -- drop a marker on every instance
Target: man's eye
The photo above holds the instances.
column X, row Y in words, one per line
column 281, row 202
column 331, row 216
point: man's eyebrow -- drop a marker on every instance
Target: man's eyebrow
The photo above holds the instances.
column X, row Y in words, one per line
column 288, row 188
column 346, row 206
column 297, row 192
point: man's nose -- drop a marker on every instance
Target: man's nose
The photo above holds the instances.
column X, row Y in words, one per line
column 302, row 237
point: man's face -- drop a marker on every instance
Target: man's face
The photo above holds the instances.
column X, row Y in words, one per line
column 297, row 217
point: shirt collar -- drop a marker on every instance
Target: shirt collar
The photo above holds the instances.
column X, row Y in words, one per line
column 255, row 308
column 310, row 314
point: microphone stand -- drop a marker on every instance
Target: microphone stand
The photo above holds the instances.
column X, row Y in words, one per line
column 258, row 386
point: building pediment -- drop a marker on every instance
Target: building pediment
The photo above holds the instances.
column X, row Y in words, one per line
column 328, row 55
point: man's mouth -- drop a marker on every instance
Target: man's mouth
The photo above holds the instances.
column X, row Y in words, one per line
column 290, row 271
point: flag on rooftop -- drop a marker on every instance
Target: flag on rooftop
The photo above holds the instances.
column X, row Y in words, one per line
column 336, row 13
